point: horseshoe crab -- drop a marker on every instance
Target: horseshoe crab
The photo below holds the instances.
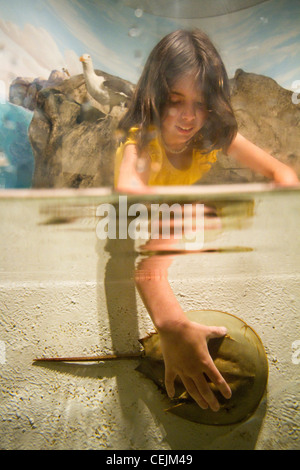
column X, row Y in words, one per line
column 239, row 356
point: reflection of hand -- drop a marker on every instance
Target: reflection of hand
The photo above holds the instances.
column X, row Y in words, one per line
column 185, row 352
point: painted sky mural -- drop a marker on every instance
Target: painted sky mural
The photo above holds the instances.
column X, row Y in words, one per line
column 37, row 36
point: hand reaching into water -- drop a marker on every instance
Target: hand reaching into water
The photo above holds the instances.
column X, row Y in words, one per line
column 183, row 342
column 185, row 352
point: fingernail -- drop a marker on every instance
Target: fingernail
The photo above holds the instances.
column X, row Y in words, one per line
column 223, row 330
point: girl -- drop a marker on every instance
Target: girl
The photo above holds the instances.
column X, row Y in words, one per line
column 179, row 118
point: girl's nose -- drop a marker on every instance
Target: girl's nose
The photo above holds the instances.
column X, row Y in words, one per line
column 188, row 112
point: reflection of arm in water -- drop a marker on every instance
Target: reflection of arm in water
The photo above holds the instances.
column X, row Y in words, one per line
column 183, row 343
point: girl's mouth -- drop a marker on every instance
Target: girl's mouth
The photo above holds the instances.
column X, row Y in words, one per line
column 184, row 130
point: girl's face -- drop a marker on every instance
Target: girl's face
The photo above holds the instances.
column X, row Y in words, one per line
column 184, row 114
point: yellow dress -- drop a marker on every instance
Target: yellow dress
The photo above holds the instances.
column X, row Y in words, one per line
column 162, row 172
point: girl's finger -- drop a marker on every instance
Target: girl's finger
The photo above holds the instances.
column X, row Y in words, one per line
column 193, row 391
column 206, row 392
column 214, row 375
column 169, row 382
column 216, row 332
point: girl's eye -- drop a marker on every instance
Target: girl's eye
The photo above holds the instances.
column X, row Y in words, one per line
column 178, row 102
column 174, row 101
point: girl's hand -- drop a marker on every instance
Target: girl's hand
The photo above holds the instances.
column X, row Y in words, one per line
column 286, row 177
column 185, row 352
column 262, row 162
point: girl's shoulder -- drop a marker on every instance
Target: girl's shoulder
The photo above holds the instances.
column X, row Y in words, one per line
column 132, row 135
column 148, row 137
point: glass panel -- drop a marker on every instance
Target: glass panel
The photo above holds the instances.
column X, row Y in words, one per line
column 94, row 238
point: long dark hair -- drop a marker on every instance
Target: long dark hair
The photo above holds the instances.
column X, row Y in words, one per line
column 177, row 54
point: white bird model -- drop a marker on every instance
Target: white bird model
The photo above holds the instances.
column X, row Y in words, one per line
column 106, row 89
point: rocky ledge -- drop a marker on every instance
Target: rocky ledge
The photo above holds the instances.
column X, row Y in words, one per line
column 73, row 140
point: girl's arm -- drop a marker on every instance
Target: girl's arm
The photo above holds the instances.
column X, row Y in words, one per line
column 183, row 343
column 134, row 171
column 262, row 162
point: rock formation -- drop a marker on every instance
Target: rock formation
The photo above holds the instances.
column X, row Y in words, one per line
column 266, row 116
column 74, row 142
column 72, row 139
column 24, row 91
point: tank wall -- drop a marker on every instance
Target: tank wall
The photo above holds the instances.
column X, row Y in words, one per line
column 64, row 292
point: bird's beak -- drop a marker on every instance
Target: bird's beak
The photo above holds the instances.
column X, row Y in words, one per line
column 81, row 59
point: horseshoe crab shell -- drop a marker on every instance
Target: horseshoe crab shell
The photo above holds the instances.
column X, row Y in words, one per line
column 239, row 356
